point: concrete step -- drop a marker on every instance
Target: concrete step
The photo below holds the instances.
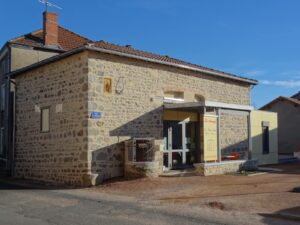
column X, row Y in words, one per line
column 179, row 173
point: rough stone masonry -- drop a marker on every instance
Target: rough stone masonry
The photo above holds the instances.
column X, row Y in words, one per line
column 83, row 151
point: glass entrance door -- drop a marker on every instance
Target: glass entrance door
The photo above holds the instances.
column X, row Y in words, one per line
column 180, row 144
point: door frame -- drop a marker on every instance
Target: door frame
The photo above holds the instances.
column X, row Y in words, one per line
column 169, row 150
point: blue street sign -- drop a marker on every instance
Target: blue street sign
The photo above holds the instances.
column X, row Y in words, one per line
column 96, row 115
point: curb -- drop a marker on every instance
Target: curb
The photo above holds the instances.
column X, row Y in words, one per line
column 32, row 184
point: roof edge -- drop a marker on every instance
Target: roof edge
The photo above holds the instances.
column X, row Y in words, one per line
column 292, row 101
column 216, row 73
column 37, row 47
column 97, row 49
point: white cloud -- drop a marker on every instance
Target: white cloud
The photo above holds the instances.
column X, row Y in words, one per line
column 282, row 83
column 294, row 74
column 255, row 73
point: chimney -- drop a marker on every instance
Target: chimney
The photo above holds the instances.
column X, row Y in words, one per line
column 50, row 28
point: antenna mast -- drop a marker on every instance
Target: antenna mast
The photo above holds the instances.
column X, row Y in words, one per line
column 49, row 4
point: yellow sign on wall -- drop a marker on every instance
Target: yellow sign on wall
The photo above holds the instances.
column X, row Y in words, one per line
column 210, row 133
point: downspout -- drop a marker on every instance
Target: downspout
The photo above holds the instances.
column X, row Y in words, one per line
column 249, row 125
column 10, row 110
column 250, row 135
column 219, row 135
column 7, row 130
column 250, row 94
column 13, row 128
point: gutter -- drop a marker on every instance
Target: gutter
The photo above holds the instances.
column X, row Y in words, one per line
column 97, row 49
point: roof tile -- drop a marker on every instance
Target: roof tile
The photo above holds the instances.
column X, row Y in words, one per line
column 67, row 39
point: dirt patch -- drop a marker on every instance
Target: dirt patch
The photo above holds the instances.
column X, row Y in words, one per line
column 267, row 193
column 216, row 205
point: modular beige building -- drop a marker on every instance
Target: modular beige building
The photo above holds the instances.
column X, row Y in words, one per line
column 288, row 110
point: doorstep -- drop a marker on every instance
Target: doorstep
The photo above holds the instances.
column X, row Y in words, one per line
column 179, row 173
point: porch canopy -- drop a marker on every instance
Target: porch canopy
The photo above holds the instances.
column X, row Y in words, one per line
column 196, row 106
column 220, row 139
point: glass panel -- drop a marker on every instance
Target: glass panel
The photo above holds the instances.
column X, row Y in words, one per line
column 191, row 137
column 176, row 134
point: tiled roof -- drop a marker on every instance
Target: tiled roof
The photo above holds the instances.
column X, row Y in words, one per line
column 67, row 40
column 296, row 96
column 281, row 98
column 131, row 51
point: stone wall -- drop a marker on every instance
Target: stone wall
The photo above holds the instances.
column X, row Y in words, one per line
column 81, row 150
column 210, row 169
column 234, row 133
column 59, row 156
column 134, row 108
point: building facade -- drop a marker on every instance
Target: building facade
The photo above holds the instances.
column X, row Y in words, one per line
column 93, row 110
column 288, row 110
column 96, row 101
column 18, row 53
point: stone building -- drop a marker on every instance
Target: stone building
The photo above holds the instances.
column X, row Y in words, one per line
column 101, row 110
column 20, row 52
column 288, row 110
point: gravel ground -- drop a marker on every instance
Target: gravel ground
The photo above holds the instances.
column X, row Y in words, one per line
column 228, row 199
column 265, row 194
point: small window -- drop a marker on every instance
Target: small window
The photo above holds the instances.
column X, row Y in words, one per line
column 265, row 139
column 2, row 97
column 45, row 120
column 173, row 96
column 1, row 141
column 107, row 85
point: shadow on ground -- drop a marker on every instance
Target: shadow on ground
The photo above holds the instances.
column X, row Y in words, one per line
column 291, row 214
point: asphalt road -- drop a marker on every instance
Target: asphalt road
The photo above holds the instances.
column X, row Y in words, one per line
column 29, row 206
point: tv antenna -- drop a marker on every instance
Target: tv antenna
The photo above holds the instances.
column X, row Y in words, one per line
column 49, row 4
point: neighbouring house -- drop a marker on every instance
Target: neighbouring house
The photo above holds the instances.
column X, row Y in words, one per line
column 99, row 110
column 18, row 53
column 288, row 110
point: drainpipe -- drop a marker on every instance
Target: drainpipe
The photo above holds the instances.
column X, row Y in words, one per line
column 219, row 135
column 6, row 126
column 13, row 127
column 250, row 135
column 9, row 151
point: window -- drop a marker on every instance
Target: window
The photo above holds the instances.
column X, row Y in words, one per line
column 171, row 96
column 45, row 120
column 2, row 97
column 1, row 140
column 3, row 69
column 265, row 138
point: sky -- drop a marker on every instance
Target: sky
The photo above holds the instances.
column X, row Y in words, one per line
column 258, row 39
